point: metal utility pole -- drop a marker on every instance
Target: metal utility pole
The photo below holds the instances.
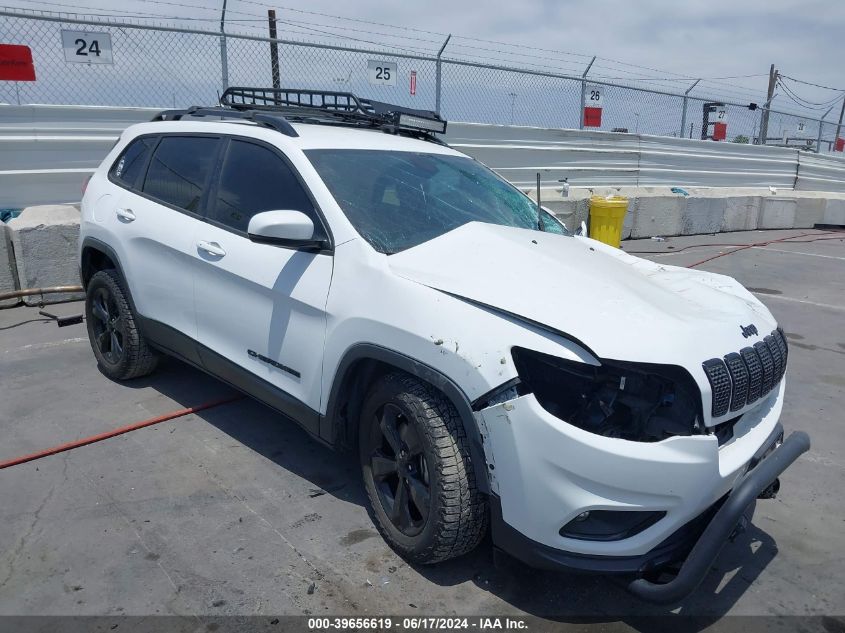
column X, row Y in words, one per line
column 512, row 95
column 224, row 58
column 821, row 127
column 584, row 91
column 274, row 49
column 438, row 73
column 684, row 114
column 839, row 125
column 770, row 94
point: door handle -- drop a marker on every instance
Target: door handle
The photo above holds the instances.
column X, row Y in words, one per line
column 212, row 248
column 126, row 215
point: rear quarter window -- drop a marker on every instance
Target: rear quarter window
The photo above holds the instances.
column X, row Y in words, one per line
column 130, row 164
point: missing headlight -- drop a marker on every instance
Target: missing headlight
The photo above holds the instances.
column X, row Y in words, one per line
column 632, row 401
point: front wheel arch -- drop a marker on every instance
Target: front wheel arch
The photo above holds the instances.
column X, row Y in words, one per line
column 365, row 362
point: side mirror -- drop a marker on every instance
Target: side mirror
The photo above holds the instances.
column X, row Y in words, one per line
column 286, row 228
column 582, row 230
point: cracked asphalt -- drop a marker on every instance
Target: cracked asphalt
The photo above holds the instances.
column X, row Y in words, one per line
column 234, row 510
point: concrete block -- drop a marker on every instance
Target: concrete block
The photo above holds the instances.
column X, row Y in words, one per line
column 44, row 240
column 741, row 213
column 570, row 211
column 834, row 212
column 628, row 225
column 658, row 215
column 777, row 213
column 808, row 212
column 703, row 215
column 8, row 275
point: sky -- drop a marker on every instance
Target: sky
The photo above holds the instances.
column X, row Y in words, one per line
column 697, row 38
column 651, row 40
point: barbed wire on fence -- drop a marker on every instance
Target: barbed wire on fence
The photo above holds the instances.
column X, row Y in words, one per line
column 476, row 80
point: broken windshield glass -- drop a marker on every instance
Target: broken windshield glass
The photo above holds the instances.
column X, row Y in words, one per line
column 397, row 200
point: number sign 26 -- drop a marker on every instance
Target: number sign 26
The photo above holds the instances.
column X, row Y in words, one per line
column 81, row 47
column 594, row 97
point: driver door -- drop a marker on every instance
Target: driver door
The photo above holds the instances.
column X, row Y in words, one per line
column 261, row 308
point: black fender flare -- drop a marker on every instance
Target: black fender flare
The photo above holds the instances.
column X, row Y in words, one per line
column 329, row 422
column 98, row 245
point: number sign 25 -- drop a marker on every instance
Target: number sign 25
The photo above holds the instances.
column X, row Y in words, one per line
column 81, row 47
column 381, row 73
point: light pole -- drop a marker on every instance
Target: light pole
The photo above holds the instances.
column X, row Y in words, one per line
column 637, row 114
column 513, row 96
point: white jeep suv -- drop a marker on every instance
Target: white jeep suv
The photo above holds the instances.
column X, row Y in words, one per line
column 328, row 256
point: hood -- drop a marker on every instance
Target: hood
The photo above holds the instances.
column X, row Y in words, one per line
column 619, row 306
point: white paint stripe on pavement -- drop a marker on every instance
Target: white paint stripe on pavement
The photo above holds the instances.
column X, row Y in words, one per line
column 781, row 250
column 794, row 300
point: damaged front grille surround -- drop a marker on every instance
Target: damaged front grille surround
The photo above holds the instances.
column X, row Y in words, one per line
column 740, row 379
column 639, row 402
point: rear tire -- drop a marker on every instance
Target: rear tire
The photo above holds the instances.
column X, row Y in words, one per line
column 118, row 345
column 417, row 471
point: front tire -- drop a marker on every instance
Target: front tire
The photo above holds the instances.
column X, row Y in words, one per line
column 417, row 471
column 120, row 349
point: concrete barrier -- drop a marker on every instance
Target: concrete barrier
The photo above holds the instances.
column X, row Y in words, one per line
column 834, row 212
column 44, row 240
column 8, row 275
column 657, row 211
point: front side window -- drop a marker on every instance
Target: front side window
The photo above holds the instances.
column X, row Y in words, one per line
column 397, row 200
column 255, row 179
column 179, row 170
column 131, row 163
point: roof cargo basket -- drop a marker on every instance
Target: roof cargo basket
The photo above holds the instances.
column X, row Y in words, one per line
column 333, row 108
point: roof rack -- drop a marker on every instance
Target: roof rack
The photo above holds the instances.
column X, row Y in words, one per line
column 334, row 108
column 267, row 119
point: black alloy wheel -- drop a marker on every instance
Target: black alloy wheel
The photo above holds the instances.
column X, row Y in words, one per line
column 118, row 345
column 417, row 470
column 108, row 326
column 400, row 470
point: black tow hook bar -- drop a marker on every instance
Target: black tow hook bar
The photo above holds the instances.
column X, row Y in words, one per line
column 722, row 525
column 772, row 491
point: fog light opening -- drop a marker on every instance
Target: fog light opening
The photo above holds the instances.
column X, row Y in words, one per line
column 610, row 525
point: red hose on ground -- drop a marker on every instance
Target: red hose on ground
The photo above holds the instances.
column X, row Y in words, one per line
column 118, row 431
column 742, row 247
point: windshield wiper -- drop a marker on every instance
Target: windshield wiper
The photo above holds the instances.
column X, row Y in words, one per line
column 540, row 224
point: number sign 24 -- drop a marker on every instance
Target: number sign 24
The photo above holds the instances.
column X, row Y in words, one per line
column 81, row 47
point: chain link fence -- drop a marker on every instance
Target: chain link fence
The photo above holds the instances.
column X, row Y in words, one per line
column 169, row 67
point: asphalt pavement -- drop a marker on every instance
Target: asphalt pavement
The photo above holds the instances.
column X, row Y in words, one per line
column 235, row 510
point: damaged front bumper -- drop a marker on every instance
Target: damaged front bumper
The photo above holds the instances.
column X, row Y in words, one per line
column 545, row 472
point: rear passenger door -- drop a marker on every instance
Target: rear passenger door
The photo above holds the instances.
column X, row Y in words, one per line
column 156, row 221
column 260, row 308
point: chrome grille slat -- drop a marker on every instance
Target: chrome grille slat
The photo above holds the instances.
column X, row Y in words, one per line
column 743, row 378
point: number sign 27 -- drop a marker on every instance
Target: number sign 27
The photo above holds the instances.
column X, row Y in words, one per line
column 81, row 47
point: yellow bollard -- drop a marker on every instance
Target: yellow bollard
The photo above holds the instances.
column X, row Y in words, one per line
column 607, row 215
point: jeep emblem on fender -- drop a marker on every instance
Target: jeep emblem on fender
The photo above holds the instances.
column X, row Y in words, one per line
column 748, row 330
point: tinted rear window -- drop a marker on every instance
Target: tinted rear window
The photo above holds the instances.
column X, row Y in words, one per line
column 179, row 170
